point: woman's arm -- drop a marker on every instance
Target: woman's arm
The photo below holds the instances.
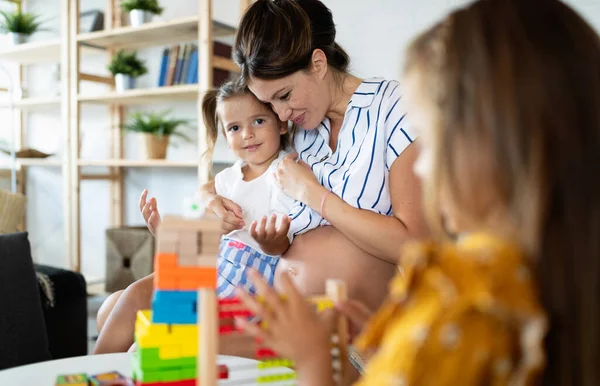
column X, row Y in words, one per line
column 228, row 211
column 379, row 235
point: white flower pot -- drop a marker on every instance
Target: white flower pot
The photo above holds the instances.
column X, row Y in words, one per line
column 17, row 38
column 137, row 17
column 124, row 82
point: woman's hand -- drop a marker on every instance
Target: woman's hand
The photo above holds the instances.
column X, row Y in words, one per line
column 292, row 328
column 296, row 179
column 150, row 212
column 228, row 211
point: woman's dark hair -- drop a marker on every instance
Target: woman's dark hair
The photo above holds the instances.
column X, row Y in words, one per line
column 277, row 38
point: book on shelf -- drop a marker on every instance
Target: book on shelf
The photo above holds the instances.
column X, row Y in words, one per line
column 179, row 64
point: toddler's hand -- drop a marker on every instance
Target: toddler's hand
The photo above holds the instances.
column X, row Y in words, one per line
column 266, row 230
column 150, row 212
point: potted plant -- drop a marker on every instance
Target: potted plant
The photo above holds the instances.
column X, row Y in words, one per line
column 141, row 11
column 19, row 25
column 126, row 67
column 157, row 129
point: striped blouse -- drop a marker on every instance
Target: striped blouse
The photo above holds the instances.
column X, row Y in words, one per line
column 373, row 134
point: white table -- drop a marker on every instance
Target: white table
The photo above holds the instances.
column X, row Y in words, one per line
column 242, row 371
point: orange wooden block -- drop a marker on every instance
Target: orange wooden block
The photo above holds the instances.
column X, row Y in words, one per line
column 165, row 260
column 188, row 285
column 165, row 283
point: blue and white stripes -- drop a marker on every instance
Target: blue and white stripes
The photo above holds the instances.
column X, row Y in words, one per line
column 372, row 136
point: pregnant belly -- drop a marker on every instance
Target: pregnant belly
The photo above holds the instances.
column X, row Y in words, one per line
column 325, row 253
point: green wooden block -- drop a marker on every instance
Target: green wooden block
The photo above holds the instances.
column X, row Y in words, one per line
column 170, row 375
column 149, row 359
column 188, row 373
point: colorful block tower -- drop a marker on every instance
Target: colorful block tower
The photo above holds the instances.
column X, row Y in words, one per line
column 167, row 336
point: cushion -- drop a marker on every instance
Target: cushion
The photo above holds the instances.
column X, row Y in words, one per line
column 12, row 211
column 22, row 327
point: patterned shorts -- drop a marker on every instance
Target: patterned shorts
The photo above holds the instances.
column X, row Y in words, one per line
column 234, row 257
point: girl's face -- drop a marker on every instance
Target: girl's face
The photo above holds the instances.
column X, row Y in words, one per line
column 252, row 130
column 468, row 200
column 422, row 115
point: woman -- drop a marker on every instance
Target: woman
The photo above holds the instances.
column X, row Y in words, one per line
column 506, row 95
column 356, row 164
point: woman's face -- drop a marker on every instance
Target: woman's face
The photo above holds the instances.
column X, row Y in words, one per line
column 302, row 97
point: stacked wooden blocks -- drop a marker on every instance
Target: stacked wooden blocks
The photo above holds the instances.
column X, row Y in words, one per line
column 167, row 336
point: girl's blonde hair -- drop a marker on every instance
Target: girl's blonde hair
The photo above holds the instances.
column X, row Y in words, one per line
column 210, row 103
column 515, row 85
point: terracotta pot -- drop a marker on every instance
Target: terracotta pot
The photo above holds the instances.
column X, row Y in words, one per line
column 156, row 147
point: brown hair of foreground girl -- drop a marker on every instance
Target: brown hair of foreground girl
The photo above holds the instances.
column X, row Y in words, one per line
column 513, row 131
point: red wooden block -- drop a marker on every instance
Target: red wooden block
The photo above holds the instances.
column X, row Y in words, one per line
column 223, row 372
column 265, row 353
column 187, row 382
column 229, row 301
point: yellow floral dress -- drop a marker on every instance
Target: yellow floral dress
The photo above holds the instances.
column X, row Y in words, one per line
column 464, row 313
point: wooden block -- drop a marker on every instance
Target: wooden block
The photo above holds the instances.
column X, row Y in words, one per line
column 206, row 260
column 204, row 224
column 187, row 261
column 193, row 284
column 165, row 283
column 208, row 342
column 337, row 291
column 164, row 260
column 167, row 234
column 189, row 236
column 167, row 246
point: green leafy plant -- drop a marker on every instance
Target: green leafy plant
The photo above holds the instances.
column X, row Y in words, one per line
column 19, row 22
column 127, row 63
column 156, row 123
column 143, row 5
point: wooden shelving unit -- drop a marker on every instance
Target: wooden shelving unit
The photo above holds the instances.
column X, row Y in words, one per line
column 68, row 50
column 20, row 57
column 147, row 163
column 200, row 28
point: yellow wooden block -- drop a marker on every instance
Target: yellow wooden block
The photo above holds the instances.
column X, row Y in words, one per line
column 151, row 335
column 169, row 351
column 184, row 333
column 189, row 350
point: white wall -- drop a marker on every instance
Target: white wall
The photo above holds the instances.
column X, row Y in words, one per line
column 374, row 35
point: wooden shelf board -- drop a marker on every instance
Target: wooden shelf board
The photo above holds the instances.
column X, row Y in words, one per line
column 33, row 103
column 6, row 164
column 145, row 95
column 34, row 52
column 152, row 34
column 138, row 163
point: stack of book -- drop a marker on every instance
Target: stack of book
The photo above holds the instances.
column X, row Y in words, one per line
column 179, row 64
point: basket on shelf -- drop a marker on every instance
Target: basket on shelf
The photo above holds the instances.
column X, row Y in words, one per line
column 129, row 256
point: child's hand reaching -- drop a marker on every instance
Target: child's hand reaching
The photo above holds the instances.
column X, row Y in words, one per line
column 293, row 329
column 273, row 240
column 149, row 210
